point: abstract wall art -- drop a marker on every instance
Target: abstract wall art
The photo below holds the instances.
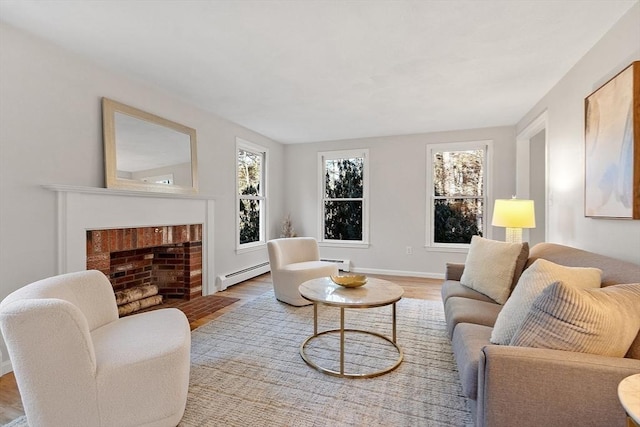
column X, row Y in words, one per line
column 612, row 147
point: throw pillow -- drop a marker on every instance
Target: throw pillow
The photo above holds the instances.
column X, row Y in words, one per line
column 490, row 266
column 601, row 321
column 535, row 279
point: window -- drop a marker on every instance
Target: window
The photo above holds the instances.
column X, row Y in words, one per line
column 343, row 197
column 457, row 192
column 159, row 179
column 250, row 181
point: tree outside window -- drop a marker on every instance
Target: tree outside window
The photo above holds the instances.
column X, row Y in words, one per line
column 458, row 194
column 344, row 196
column 251, row 197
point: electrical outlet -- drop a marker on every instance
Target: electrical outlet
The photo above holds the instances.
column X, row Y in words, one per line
column 409, row 250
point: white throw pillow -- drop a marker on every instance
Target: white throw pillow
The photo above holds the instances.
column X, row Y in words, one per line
column 535, row 279
column 490, row 266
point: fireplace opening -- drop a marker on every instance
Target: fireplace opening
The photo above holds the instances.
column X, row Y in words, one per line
column 145, row 264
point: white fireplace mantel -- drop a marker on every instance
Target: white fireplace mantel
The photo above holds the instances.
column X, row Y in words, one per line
column 87, row 208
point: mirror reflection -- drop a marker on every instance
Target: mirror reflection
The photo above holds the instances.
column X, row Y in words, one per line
column 147, row 152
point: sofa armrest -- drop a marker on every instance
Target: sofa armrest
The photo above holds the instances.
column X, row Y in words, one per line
column 535, row 387
column 453, row 271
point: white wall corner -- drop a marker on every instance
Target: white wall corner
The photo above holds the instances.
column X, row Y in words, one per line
column 5, row 366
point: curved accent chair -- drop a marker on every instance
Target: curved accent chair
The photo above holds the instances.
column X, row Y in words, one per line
column 293, row 261
column 77, row 364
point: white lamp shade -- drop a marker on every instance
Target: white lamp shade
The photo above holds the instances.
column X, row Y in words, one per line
column 514, row 213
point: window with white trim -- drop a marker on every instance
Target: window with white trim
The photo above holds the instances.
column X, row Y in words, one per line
column 251, row 194
column 457, row 183
column 343, row 194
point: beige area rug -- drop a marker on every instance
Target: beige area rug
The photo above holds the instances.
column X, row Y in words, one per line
column 247, row 371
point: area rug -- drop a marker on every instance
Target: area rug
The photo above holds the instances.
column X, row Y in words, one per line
column 247, row 371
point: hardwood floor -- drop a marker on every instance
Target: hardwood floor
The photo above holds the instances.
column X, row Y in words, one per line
column 414, row 287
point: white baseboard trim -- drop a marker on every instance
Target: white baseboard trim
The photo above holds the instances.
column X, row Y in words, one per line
column 226, row 280
column 403, row 273
column 343, row 264
column 5, row 367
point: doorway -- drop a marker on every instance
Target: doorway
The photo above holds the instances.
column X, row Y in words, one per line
column 537, row 184
column 532, row 175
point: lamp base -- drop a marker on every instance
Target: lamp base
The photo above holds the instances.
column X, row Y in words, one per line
column 514, row 235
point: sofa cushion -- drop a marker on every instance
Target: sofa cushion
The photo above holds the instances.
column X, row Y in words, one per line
column 453, row 288
column 464, row 310
column 540, row 275
column 614, row 271
column 521, row 262
column 601, row 321
column 634, row 350
column 467, row 342
column 490, row 266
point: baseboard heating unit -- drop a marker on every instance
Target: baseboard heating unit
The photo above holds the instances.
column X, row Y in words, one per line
column 226, row 280
column 343, row 264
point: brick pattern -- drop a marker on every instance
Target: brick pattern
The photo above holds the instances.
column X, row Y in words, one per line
column 129, row 269
column 169, row 256
column 177, row 269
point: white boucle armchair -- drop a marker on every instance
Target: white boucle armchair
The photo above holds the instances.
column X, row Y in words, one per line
column 77, row 364
column 295, row 260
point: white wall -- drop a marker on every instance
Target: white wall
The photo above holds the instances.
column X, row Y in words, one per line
column 51, row 133
column 565, row 140
column 537, row 185
column 397, row 194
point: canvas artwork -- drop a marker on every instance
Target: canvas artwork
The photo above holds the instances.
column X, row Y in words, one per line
column 612, row 147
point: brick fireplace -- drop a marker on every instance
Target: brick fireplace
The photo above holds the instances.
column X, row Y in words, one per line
column 101, row 209
column 167, row 256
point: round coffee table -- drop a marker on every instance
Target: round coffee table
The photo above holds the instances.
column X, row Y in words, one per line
column 629, row 395
column 375, row 293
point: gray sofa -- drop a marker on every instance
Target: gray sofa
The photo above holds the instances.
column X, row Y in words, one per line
column 522, row 386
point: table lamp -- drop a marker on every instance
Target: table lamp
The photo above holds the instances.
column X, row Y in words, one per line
column 514, row 214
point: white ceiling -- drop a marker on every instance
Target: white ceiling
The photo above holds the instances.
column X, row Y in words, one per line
column 304, row 71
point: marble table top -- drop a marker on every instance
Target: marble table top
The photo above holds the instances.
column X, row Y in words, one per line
column 375, row 293
column 629, row 395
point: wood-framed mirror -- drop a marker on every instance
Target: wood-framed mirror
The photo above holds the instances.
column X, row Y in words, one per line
column 145, row 152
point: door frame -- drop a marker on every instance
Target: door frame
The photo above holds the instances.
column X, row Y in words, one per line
column 523, row 144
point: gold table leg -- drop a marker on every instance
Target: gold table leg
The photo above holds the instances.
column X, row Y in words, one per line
column 341, row 340
column 315, row 319
column 342, row 330
column 394, row 322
